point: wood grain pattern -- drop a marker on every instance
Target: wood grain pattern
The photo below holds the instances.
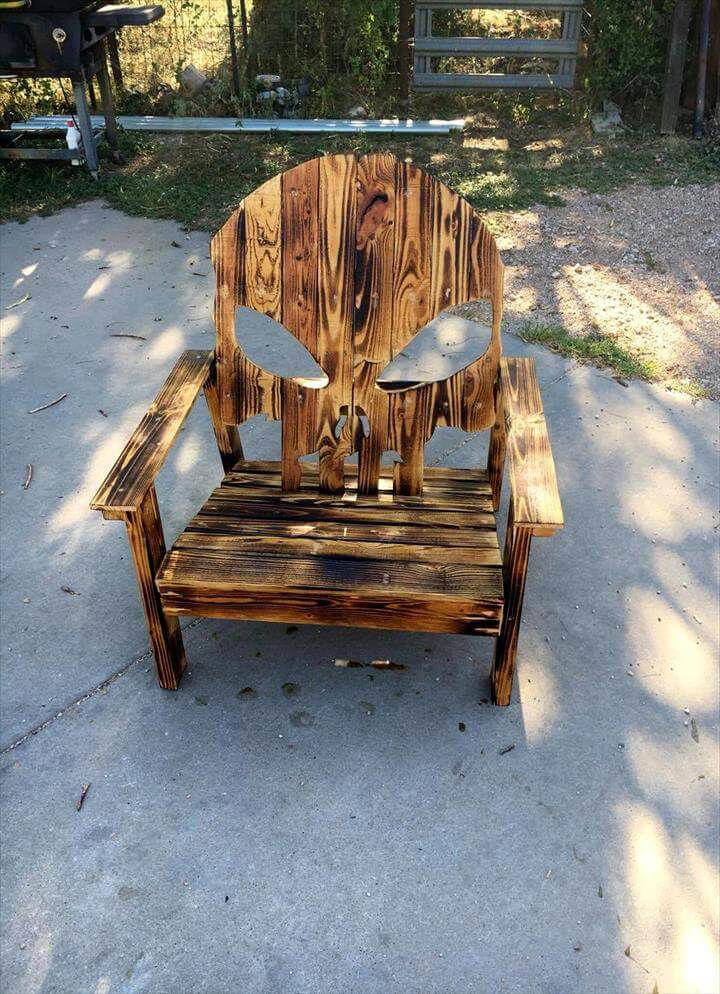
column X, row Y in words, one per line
column 147, row 546
column 226, row 436
column 373, row 248
column 263, row 286
column 533, row 483
column 353, row 257
column 142, row 458
column 310, row 552
column 496, row 450
column 336, row 261
column 515, row 563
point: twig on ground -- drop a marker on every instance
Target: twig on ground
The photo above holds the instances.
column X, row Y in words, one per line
column 44, row 407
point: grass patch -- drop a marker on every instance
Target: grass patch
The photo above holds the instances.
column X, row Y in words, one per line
column 595, row 347
column 603, row 351
column 197, row 180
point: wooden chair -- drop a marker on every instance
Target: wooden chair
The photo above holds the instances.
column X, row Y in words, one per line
column 353, row 256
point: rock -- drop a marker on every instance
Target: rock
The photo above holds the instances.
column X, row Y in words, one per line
column 266, row 81
column 192, row 80
column 608, row 121
column 357, row 113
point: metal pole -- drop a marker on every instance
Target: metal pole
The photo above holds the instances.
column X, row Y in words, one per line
column 698, row 120
column 405, row 19
column 233, row 49
column 108, row 104
column 243, row 25
column 83, row 120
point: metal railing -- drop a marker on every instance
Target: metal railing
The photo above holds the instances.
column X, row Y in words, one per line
column 562, row 51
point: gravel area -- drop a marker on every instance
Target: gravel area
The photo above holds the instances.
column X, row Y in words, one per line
column 640, row 265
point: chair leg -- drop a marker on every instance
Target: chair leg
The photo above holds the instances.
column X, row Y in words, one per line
column 226, row 436
column 496, row 452
column 515, row 562
column 147, row 545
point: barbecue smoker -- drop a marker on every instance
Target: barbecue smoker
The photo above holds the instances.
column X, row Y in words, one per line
column 70, row 39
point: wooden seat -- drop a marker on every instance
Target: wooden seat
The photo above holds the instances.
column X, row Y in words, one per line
column 429, row 563
column 354, row 255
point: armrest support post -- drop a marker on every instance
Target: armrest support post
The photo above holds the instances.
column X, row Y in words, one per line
column 515, row 564
column 533, row 484
column 496, row 451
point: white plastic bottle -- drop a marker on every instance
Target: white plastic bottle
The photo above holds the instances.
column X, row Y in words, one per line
column 73, row 139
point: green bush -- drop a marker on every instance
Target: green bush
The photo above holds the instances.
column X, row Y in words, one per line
column 345, row 48
column 627, row 44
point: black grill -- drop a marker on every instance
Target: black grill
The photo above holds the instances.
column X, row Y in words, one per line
column 65, row 38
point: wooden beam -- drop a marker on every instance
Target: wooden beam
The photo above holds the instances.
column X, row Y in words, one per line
column 533, row 484
column 675, row 66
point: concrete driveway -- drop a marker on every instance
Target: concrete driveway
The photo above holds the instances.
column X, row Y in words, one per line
column 342, row 835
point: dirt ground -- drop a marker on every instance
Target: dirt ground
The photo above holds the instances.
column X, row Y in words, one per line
column 640, row 265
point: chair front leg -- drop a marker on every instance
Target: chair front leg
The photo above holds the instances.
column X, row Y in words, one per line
column 147, row 545
column 515, row 563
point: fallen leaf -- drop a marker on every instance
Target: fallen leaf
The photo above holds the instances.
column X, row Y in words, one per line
column 175, row 244
column 83, row 795
column 600, row 890
column 627, row 951
column 201, row 700
column 290, row 689
column 69, row 590
column 247, row 693
column 461, row 726
column 694, row 730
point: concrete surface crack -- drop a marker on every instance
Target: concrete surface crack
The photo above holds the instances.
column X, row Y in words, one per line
column 108, row 681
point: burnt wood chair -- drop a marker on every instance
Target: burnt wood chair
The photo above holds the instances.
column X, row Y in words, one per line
column 353, row 256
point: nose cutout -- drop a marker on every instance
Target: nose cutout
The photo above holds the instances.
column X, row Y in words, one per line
column 270, row 345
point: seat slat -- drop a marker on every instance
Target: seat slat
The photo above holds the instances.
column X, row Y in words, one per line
column 306, row 509
column 349, row 532
column 225, row 569
column 289, row 545
column 417, row 614
column 430, row 563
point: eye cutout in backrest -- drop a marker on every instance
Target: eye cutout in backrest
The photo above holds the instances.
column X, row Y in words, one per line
column 269, row 345
column 443, row 347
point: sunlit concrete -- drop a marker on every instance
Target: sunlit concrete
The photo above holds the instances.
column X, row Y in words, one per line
column 349, row 837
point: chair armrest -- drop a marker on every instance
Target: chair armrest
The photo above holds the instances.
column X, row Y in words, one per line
column 142, row 458
column 533, row 484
